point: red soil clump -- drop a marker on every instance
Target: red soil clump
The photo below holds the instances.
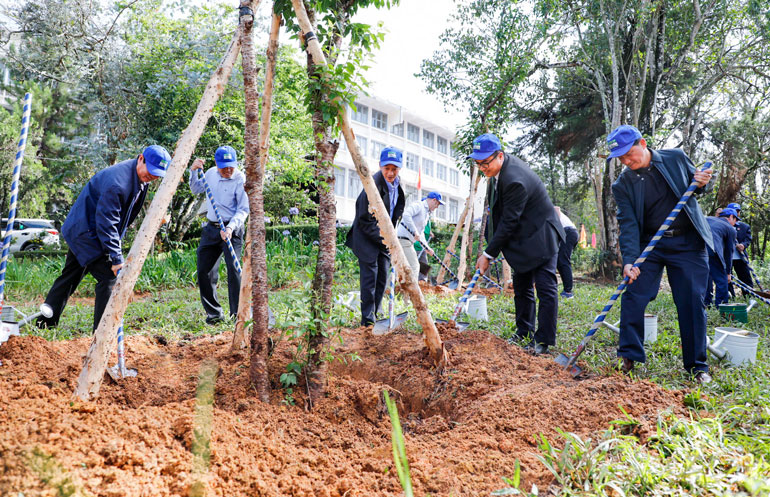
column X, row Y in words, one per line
column 465, row 428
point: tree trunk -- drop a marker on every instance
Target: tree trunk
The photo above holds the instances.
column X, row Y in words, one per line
column 240, row 341
column 483, row 227
column 90, row 379
column 436, row 349
column 456, row 234
column 732, row 177
column 256, row 137
column 467, row 229
column 612, row 259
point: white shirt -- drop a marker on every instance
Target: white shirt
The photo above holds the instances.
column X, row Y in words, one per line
column 565, row 221
column 415, row 217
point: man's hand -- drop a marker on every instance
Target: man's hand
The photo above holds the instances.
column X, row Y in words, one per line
column 482, row 263
column 197, row 164
column 741, row 247
column 116, row 269
column 225, row 234
column 729, row 278
column 631, row 271
column 703, row 177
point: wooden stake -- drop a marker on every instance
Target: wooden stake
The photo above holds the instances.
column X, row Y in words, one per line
column 456, row 234
column 466, row 230
column 432, row 339
column 90, row 379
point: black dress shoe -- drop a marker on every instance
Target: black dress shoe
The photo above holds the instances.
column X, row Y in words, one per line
column 214, row 319
column 540, row 349
column 625, row 365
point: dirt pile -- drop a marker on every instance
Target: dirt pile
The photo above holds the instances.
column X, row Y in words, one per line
column 465, row 428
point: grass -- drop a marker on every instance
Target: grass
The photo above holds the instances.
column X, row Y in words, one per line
column 723, row 448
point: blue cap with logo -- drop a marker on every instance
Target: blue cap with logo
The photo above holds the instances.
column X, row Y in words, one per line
column 729, row 211
column 157, row 160
column 390, row 155
column 622, row 139
column 226, row 156
column 484, row 146
column 436, row 196
column 734, row 205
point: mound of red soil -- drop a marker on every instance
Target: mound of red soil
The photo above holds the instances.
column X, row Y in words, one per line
column 464, row 428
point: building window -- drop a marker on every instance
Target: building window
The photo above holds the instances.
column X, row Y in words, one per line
column 411, row 161
column 413, row 133
column 363, row 144
column 343, row 143
column 339, row 181
column 454, row 177
column 379, row 120
column 411, row 194
column 441, row 145
column 427, row 166
column 441, row 172
column 360, row 113
column 397, row 129
column 453, row 205
column 376, row 149
column 354, row 184
column 427, row 138
column 441, row 212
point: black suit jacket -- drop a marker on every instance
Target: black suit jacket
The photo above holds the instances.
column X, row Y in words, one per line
column 526, row 228
column 364, row 236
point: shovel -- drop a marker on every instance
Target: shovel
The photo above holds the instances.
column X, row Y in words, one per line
column 762, row 296
column 461, row 326
column 119, row 370
column 393, row 321
column 569, row 363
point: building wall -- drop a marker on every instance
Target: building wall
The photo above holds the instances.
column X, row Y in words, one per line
column 426, row 146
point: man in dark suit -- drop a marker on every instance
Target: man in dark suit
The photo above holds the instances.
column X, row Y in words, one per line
column 740, row 257
column 721, row 256
column 364, row 236
column 525, row 228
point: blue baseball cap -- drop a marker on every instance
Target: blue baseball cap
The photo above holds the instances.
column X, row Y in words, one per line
column 484, row 146
column 735, row 206
column 435, row 195
column 729, row 211
column 226, row 156
column 622, row 139
column 390, row 155
column 157, row 160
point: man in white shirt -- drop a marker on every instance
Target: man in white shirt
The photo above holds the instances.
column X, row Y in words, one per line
column 563, row 260
column 412, row 227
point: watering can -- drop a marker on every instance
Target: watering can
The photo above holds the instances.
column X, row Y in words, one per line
column 738, row 345
column 10, row 327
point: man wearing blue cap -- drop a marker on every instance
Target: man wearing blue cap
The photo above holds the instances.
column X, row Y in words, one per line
column 645, row 193
column 721, row 257
column 523, row 225
column 227, row 186
column 97, row 223
column 740, row 257
column 364, row 236
column 411, row 229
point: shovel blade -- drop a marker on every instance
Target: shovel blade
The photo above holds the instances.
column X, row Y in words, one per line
column 116, row 375
column 564, row 361
column 460, row 325
column 382, row 326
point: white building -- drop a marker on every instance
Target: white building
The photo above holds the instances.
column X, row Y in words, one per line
column 426, row 147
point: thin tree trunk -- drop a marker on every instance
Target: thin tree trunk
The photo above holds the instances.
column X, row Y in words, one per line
column 255, row 138
column 240, row 340
column 438, row 354
column 456, row 234
column 91, row 376
column 466, row 230
column 507, row 277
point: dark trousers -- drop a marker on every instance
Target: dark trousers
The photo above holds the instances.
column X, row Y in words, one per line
column 686, row 263
column 65, row 285
column 209, row 252
column 742, row 271
column 718, row 279
column 563, row 262
column 424, row 266
column 544, row 280
column 373, row 276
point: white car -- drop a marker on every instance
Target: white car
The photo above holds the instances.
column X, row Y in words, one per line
column 31, row 234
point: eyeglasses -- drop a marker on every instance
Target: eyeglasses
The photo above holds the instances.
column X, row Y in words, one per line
column 485, row 163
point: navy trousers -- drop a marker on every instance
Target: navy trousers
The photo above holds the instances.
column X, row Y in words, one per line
column 373, row 276
column 544, row 280
column 209, row 254
column 563, row 262
column 742, row 271
column 686, row 262
column 718, row 279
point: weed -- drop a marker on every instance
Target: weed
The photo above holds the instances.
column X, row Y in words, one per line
column 399, row 447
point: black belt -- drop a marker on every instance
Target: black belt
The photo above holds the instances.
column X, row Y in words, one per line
column 404, row 238
column 216, row 223
column 673, row 233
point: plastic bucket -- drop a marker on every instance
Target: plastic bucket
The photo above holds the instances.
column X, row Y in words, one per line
column 650, row 328
column 734, row 312
column 477, row 308
column 740, row 348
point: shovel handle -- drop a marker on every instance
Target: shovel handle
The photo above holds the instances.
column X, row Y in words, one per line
column 464, row 298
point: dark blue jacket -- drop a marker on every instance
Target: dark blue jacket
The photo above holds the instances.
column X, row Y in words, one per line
column 724, row 241
column 107, row 205
column 364, row 236
column 628, row 190
column 744, row 234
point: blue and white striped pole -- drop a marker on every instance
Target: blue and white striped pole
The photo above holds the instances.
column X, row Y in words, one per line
column 237, row 264
column 121, row 352
column 638, row 262
column 26, row 109
column 464, row 298
column 746, row 288
column 487, row 278
column 392, row 299
column 751, row 270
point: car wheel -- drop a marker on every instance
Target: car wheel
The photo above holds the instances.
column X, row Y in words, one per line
column 32, row 246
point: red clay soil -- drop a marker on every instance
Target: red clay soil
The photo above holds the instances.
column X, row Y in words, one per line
column 464, row 428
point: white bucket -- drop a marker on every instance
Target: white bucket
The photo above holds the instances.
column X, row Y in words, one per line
column 739, row 344
column 650, row 328
column 477, row 307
